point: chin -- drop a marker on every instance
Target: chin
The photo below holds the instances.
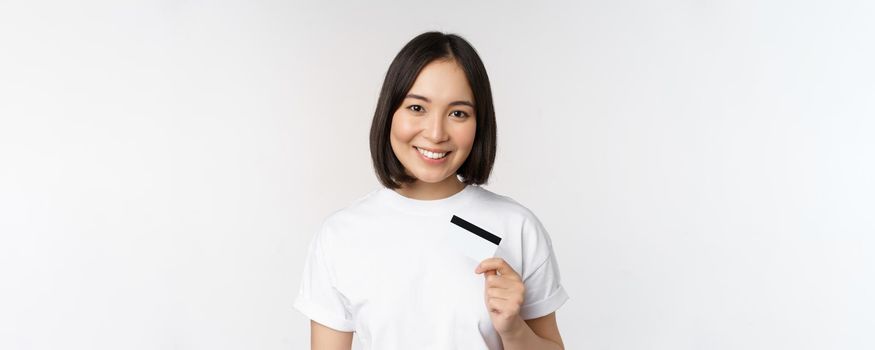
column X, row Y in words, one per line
column 431, row 179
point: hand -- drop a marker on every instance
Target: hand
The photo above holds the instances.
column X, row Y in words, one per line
column 504, row 295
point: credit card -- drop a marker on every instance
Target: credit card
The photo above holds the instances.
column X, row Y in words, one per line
column 472, row 240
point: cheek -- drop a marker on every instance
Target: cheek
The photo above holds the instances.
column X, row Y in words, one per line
column 402, row 130
column 466, row 135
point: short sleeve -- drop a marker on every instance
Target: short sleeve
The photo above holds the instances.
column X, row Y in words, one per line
column 544, row 292
column 318, row 298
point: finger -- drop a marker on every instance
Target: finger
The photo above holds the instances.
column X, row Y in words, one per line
column 502, row 307
column 502, row 293
column 488, row 264
column 497, row 264
column 495, row 305
column 502, row 281
column 513, row 293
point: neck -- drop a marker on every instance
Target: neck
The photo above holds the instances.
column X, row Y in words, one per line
column 431, row 191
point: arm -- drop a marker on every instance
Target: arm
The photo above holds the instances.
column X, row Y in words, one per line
column 505, row 293
column 324, row 338
column 539, row 333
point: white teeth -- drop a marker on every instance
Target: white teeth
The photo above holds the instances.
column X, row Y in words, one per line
column 430, row 154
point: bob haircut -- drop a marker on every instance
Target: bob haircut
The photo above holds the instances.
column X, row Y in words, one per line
column 402, row 73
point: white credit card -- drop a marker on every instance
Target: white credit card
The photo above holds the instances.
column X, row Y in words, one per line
column 471, row 240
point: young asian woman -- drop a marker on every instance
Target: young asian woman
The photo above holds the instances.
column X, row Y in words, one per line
column 381, row 267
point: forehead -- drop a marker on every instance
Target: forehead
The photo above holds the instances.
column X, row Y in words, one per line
column 443, row 81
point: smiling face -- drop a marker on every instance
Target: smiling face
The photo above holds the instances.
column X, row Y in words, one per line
column 433, row 130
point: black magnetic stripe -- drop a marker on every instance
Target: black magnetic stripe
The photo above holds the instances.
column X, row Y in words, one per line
column 475, row 230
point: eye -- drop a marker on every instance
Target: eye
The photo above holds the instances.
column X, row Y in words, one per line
column 415, row 108
column 462, row 114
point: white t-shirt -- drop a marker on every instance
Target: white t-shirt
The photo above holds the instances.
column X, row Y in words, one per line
column 380, row 267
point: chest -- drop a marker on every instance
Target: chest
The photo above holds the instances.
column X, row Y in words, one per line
column 408, row 277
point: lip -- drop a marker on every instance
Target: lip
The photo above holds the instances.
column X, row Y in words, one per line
column 429, row 160
column 432, row 150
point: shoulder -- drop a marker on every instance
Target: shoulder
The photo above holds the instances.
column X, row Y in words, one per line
column 526, row 243
column 351, row 215
column 515, row 218
column 506, row 205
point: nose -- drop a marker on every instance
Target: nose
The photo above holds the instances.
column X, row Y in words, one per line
column 436, row 130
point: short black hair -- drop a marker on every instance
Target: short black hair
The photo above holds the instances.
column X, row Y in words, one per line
column 402, row 73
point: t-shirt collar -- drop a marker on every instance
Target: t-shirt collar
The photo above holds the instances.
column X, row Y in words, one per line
column 425, row 207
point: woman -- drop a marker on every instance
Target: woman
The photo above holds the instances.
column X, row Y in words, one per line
column 395, row 266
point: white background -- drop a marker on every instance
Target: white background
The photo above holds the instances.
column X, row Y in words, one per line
column 705, row 168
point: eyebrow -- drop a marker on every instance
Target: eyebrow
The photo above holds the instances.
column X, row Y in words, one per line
column 454, row 103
